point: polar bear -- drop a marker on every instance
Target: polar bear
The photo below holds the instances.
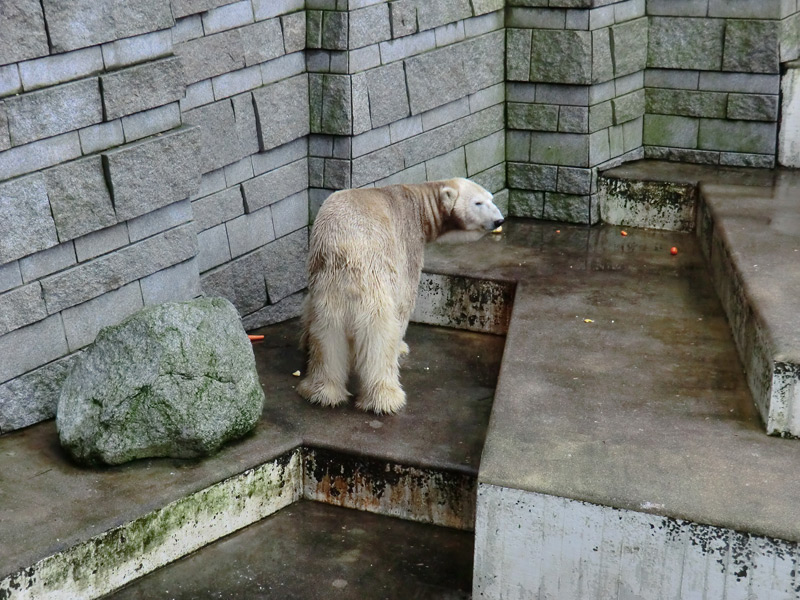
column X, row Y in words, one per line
column 364, row 265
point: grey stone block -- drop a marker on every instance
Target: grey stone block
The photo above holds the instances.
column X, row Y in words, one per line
column 331, row 109
column 217, row 208
column 22, row 31
column 537, row 117
column 53, row 111
column 265, row 9
column 740, row 82
column 535, row 18
column 494, row 180
column 239, row 171
column 334, row 30
column 360, row 103
column 369, row 25
column 601, row 116
column 599, row 147
column 767, row 9
column 629, row 41
column 362, row 59
column 447, row 166
column 481, row 7
column 313, row 29
column 490, row 96
column 10, row 83
column 526, row 176
column 236, row 82
column 160, row 220
column 485, row 153
column 241, row 281
column 436, row 117
column 377, row 165
column 176, row 283
column 211, row 55
column 369, row 141
column 758, row 161
column 219, row 140
column 576, row 181
column 561, row 56
column 150, row 122
column 435, row 78
column 685, row 102
column 294, row 32
column 282, row 111
column 137, row 49
column 5, row 138
column 33, row 346
column 518, row 146
column 570, row 208
column 752, row 107
column 701, row 157
column 154, row 172
column 198, row 94
column 210, row 183
column 26, row 224
column 749, row 137
column 213, row 248
column 95, row 277
column 682, row 8
column 628, row 107
column 432, row 14
column 47, row 261
column 602, row 67
column 751, row 46
column 101, row 136
column 80, row 23
column 523, row 203
column 228, row 16
column 405, row 128
column 336, row 174
column 388, row 100
column 186, row 28
column 672, row 78
column 10, row 277
column 290, row 214
column 288, row 308
column 142, row 87
column 33, row 397
column 39, row 155
column 684, row 43
column 21, row 306
column 568, row 149
column 408, row 46
column 415, row 174
column 664, row 130
column 82, row 323
column 449, row 34
column 479, row 25
column 283, row 155
column 101, row 242
column 60, row 68
column 182, row 8
column 285, row 265
column 79, row 199
column 262, row 41
column 403, row 18
column 275, row 185
column 573, row 119
column 483, row 59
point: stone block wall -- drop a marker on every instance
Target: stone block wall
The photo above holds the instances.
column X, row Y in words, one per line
column 576, row 101
column 714, row 77
column 592, row 83
column 405, row 91
column 149, row 151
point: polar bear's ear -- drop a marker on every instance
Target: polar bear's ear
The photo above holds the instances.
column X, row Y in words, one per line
column 449, row 196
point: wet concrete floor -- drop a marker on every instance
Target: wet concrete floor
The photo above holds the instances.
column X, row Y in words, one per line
column 311, row 550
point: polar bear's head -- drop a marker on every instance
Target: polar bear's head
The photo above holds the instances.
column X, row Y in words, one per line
column 470, row 207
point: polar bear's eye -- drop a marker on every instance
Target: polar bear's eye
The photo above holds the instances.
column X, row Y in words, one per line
column 478, row 203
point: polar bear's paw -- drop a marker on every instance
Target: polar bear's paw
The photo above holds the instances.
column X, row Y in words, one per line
column 321, row 393
column 404, row 349
column 384, row 398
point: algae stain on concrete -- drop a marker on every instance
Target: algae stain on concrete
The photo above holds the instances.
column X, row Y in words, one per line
column 652, row 204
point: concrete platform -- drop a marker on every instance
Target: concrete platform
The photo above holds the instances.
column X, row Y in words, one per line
column 79, row 533
column 311, row 550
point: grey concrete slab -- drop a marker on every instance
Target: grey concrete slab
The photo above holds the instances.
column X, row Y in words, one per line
column 311, row 550
column 645, row 407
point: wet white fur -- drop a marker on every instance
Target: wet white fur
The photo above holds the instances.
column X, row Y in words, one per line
column 365, row 259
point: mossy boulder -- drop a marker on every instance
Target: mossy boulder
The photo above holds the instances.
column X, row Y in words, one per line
column 176, row 379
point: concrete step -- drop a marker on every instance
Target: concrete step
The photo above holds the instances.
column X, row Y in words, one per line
column 625, row 456
column 312, row 550
column 70, row 532
column 748, row 222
